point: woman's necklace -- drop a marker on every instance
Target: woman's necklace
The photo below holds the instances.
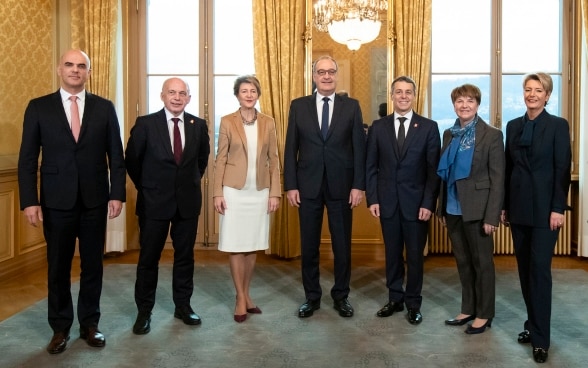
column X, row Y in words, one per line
column 248, row 122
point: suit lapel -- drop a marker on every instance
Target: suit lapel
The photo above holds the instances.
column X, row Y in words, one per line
column 163, row 132
column 89, row 105
column 60, row 112
column 314, row 114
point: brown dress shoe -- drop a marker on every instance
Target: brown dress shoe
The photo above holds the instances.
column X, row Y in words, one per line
column 58, row 342
column 92, row 336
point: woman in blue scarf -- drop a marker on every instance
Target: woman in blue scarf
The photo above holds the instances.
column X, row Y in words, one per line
column 472, row 191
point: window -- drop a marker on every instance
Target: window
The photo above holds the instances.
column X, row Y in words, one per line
column 493, row 45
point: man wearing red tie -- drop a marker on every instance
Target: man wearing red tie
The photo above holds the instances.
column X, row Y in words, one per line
column 166, row 157
column 82, row 183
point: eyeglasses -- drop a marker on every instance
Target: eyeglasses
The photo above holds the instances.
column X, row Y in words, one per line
column 323, row 72
column 172, row 93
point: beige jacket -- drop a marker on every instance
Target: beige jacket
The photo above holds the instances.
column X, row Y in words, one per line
column 230, row 168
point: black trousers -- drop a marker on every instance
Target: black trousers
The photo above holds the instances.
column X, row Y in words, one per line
column 534, row 251
column 61, row 228
column 398, row 232
column 152, row 237
column 474, row 256
column 340, row 216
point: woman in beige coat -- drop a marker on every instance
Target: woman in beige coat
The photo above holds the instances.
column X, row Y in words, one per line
column 246, row 187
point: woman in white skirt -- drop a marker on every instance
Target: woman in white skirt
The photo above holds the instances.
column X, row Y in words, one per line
column 246, row 187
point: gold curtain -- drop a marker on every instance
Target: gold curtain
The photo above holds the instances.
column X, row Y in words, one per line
column 279, row 66
column 93, row 24
column 412, row 57
column 585, row 17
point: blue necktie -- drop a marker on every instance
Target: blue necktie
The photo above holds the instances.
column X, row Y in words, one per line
column 325, row 120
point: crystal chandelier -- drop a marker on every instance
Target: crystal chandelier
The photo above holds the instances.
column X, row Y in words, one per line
column 350, row 22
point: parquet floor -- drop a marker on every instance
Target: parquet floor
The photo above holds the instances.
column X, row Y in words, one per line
column 20, row 292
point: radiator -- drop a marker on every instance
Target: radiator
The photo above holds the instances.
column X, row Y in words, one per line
column 439, row 242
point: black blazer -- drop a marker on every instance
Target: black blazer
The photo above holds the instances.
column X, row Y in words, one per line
column 341, row 156
column 408, row 179
column 93, row 167
column 482, row 193
column 164, row 187
column 537, row 182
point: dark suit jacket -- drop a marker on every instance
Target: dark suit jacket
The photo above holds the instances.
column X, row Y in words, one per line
column 164, row 187
column 407, row 180
column 537, row 184
column 482, row 193
column 341, row 156
column 69, row 169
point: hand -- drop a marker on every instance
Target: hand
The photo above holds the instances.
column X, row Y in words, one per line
column 375, row 210
column 220, row 205
column 114, row 208
column 556, row 220
column 33, row 214
column 293, row 197
column 273, row 204
column 489, row 229
column 355, row 197
column 424, row 214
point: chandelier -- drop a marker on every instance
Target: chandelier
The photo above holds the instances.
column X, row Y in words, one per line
column 350, row 22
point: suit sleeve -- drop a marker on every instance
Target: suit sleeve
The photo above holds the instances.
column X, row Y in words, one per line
column 432, row 183
column 358, row 137
column 371, row 166
column 116, row 159
column 291, row 152
column 28, row 158
column 135, row 152
column 204, row 148
column 496, row 164
column 562, row 167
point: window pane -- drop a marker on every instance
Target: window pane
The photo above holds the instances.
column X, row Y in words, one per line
column 154, row 84
column 233, row 37
column 442, row 107
column 531, row 36
column 172, row 37
column 461, row 36
column 513, row 104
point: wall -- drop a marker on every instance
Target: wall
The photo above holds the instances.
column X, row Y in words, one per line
column 26, row 71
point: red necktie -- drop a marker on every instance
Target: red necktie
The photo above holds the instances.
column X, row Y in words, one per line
column 177, row 141
column 75, row 117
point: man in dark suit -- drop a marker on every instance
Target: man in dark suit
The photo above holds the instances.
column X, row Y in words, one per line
column 401, row 189
column 166, row 157
column 82, row 182
column 324, row 165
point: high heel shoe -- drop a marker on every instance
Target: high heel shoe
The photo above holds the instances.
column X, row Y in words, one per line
column 240, row 318
column 478, row 330
column 459, row 322
column 254, row 310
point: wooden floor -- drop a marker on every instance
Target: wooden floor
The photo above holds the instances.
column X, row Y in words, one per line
column 20, row 292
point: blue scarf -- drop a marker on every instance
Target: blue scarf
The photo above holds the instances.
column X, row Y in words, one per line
column 456, row 161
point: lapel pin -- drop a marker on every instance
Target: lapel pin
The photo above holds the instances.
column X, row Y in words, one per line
column 192, row 121
column 416, row 125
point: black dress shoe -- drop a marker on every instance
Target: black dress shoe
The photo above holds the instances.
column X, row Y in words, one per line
column 343, row 307
column 142, row 324
column 92, row 336
column 414, row 316
column 58, row 343
column 540, row 355
column 459, row 322
column 390, row 308
column 186, row 314
column 478, row 330
column 524, row 337
column 308, row 308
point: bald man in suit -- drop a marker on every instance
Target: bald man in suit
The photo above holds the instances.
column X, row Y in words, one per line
column 82, row 184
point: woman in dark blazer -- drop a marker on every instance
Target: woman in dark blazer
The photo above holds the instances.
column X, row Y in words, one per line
column 538, row 162
column 472, row 172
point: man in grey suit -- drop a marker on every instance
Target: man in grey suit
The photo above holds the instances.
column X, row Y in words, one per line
column 401, row 190
column 324, row 165
column 82, row 184
column 166, row 157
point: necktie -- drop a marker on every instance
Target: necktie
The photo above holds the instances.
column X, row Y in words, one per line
column 401, row 134
column 177, row 141
column 325, row 120
column 75, row 117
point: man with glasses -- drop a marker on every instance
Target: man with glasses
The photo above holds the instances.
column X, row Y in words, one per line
column 324, row 165
column 166, row 156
